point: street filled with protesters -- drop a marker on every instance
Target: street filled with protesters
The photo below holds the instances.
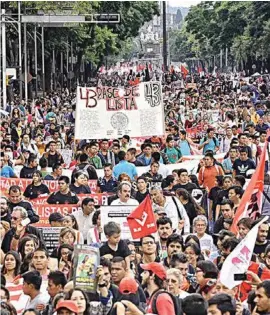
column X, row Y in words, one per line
column 174, row 223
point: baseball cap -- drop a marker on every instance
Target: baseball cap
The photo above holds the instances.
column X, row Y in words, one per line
column 56, row 217
column 156, row 268
column 68, row 304
column 128, row 286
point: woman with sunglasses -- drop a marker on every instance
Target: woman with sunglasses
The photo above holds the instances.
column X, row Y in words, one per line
column 174, row 282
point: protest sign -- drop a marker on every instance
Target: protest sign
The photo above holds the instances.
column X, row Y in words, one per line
column 111, row 112
column 67, row 156
column 43, row 209
column 117, row 214
column 51, row 237
column 86, row 262
column 191, row 86
column 5, row 183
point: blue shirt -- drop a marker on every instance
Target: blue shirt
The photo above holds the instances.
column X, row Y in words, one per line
column 184, row 147
column 146, row 161
column 7, row 171
column 227, row 165
column 107, row 186
column 210, row 146
column 125, row 167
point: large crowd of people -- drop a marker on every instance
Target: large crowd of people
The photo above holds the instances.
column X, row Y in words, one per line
column 220, row 122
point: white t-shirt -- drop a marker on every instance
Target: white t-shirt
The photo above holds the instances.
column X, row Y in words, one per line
column 130, row 202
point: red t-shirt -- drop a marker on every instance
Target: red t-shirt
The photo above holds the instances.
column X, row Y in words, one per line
column 164, row 305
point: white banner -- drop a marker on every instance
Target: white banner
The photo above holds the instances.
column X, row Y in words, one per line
column 239, row 259
column 111, row 112
column 117, row 214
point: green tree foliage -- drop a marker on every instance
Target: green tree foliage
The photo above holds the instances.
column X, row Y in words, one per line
column 91, row 42
column 241, row 26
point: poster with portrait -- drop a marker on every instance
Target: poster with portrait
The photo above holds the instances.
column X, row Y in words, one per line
column 86, row 262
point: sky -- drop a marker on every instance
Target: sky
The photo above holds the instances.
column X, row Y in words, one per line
column 183, row 3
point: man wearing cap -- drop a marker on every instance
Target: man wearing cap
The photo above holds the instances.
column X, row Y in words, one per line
column 67, row 307
column 129, row 290
column 56, row 219
column 153, row 278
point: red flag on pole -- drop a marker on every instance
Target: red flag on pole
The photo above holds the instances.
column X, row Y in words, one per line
column 142, row 221
column 184, row 71
column 251, row 202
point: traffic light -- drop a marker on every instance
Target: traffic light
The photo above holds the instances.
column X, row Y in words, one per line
column 8, row 79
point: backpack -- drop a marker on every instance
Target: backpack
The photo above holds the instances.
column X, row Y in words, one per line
column 214, row 139
column 176, row 303
column 77, row 169
column 177, row 208
column 32, row 146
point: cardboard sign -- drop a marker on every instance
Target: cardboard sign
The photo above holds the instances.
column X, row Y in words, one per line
column 141, row 103
column 51, row 237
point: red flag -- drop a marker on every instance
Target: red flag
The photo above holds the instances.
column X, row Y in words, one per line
column 142, row 221
column 102, row 69
column 184, row 71
column 251, row 202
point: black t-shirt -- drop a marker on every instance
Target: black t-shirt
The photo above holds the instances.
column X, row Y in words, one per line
column 122, row 250
column 33, row 191
column 189, row 187
column 213, row 196
column 140, row 197
column 241, row 167
column 80, row 190
column 92, row 173
column 55, row 159
column 222, row 194
column 59, row 198
column 260, row 249
column 27, row 172
column 191, row 212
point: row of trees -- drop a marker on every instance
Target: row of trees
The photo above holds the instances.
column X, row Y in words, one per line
column 91, row 42
column 241, row 26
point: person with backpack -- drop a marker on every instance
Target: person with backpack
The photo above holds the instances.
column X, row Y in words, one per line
column 209, row 142
column 208, row 173
column 184, row 143
column 27, row 145
column 173, row 153
column 161, row 302
column 84, row 166
column 172, row 207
